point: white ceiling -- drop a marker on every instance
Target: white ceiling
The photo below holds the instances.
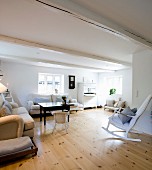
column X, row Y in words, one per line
column 75, row 33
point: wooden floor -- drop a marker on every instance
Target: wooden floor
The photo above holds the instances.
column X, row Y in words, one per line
column 86, row 146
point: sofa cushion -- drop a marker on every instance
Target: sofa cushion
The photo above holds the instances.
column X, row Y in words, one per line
column 7, row 104
column 110, row 103
column 121, row 104
column 116, row 104
column 19, row 110
column 127, row 111
column 28, row 121
column 59, row 99
column 14, row 145
column 40, row 100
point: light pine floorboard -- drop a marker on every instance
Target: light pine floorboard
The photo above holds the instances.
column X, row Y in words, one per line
column 86, row 146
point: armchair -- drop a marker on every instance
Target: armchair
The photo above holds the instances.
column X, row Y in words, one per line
column 12, row 143
column 11, row 127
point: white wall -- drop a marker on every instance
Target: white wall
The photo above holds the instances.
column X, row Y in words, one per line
column 23, row 79
column 126, row 86
column 142, row 87
column 142, row 76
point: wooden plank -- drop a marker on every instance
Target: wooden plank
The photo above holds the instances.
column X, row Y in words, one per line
column 86, row 146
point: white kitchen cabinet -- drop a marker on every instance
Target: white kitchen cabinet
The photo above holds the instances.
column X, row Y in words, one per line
column 87, row 94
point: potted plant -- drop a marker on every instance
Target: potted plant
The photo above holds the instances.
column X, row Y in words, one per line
column 112, row 91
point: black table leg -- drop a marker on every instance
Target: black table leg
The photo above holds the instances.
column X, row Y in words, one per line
column 44, row 117
column 40, row 113
column 68, row 117
column 69, row 113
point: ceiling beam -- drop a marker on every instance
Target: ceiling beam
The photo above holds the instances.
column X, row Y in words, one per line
column 86, row 15
column 47, row 62
column 58, row 49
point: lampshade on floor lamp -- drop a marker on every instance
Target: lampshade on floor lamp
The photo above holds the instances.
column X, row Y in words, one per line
column 2, row 88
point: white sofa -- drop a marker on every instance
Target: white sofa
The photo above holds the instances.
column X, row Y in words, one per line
column 34, row 108
column 15, row 120
column 114, row 105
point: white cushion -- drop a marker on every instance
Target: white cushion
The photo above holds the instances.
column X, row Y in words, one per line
column 121, row 104
column 14, row 145
column 19, row 110
column 35, row 107
column 110, row 102
column 28, row 121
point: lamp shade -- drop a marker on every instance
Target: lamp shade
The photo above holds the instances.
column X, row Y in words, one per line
column 2, row 88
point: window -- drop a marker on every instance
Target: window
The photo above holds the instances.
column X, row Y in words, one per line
column 114, row 82
column 50, row 83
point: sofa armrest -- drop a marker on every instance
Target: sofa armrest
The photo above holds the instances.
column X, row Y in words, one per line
column 29, row 104
column 73, row 101
column 11, row 127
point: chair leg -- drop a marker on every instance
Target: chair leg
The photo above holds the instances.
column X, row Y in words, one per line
column 66, row 127
column 108, row 125
column 54, row 128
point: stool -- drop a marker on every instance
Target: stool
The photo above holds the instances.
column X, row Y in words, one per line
column 61, row 118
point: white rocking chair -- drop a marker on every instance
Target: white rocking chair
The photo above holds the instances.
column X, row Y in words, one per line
column 127, row 127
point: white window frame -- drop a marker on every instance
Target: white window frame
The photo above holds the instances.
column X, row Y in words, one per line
column 45, row 91
column 111, row 83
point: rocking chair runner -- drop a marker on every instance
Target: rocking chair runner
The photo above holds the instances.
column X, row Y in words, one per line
column 127, row 127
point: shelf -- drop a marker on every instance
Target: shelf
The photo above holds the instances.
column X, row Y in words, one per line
column 89, row 95
column 7, row 96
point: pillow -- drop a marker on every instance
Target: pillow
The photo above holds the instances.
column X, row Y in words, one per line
column 14, row 105
column 4, row 111
column 134, row 110
column 127, row 111
column 8, row 105
column 116, row 103
column 121, row 104
column 110, row 103
column 59, row 99
column 40, row 100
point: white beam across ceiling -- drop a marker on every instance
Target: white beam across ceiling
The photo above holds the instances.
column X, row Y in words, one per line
column 47, row 62
column 88, row 16
column 66, row 51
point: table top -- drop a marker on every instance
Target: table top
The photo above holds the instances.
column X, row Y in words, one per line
column 53, row 104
